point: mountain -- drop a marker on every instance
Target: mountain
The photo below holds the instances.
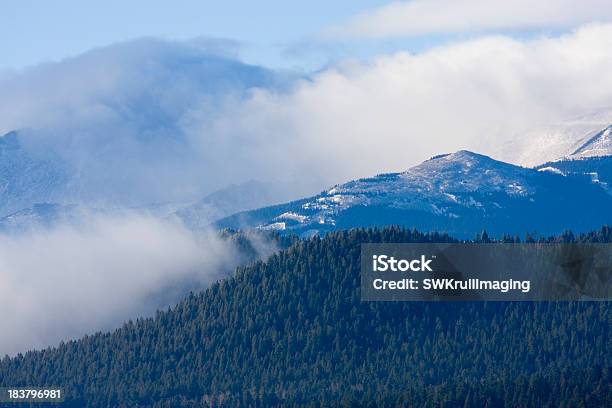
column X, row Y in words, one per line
column 293, row 332
column 232, row 199
column 460, row 193
column 597, row 146
column 597, row 170
column 27, row 178
column 195, row 216
column 552, row 142
column 39, row 215
column 592, row 161
column 122, row 125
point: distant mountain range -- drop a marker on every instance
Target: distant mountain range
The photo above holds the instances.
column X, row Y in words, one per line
column 555, row 141
column 39, row 215
column 461, row 193
column 27, row 178
column 196, row 216
column 592, row 160
column 599, row 145
column 464, row 192
column 230, row 200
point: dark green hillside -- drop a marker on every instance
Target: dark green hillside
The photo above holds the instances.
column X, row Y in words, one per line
column 293, row 332
column 589, row 168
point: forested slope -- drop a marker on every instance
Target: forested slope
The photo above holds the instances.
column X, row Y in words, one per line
column 292, row 331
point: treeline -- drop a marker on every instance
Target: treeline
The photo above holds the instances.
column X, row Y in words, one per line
column 292, row 331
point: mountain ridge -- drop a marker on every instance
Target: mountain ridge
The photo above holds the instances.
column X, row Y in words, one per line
column 461, row 193
column 555, row 141
column 27, row 178
column 598, row 145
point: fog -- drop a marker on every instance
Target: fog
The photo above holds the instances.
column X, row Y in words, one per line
column 356, row 119
column 158, row 121
column 70, row 280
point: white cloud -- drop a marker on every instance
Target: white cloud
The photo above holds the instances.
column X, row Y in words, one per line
column 417, row 17
column 114, row 115
column 357, row 119
column 68, row 281
column 155, row 121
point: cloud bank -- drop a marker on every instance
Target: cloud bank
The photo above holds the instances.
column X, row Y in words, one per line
column 68, row 281
column 419, row 17
column 113, row 116
column 155, row 121
column 362, row 118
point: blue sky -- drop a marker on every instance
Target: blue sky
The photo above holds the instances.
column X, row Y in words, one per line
column 275, row 33
column 37, row 31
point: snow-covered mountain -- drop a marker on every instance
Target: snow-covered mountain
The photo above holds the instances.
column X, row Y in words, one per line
column 39, row 188
column 39, row 215
column 568, row 138
column 230, row 200
column 578, row 148
column 27, row 178
column 196, row 216
column 123, row 125
column 592, row 160
column 461, row 193
column 598, row 145
column 597, row 170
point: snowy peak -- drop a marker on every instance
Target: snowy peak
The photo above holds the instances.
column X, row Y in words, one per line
column 598, row 145
column 465, row 171
column 39, row 215
column 9, row 141
column 438, row 185
column 232, row 199
column 461, row 193
column 26, row 179
column 463, row 161
column 591, row 160
column 555, row 141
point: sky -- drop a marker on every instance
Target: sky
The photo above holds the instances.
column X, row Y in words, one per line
column 35, row 31
column 275, row 33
